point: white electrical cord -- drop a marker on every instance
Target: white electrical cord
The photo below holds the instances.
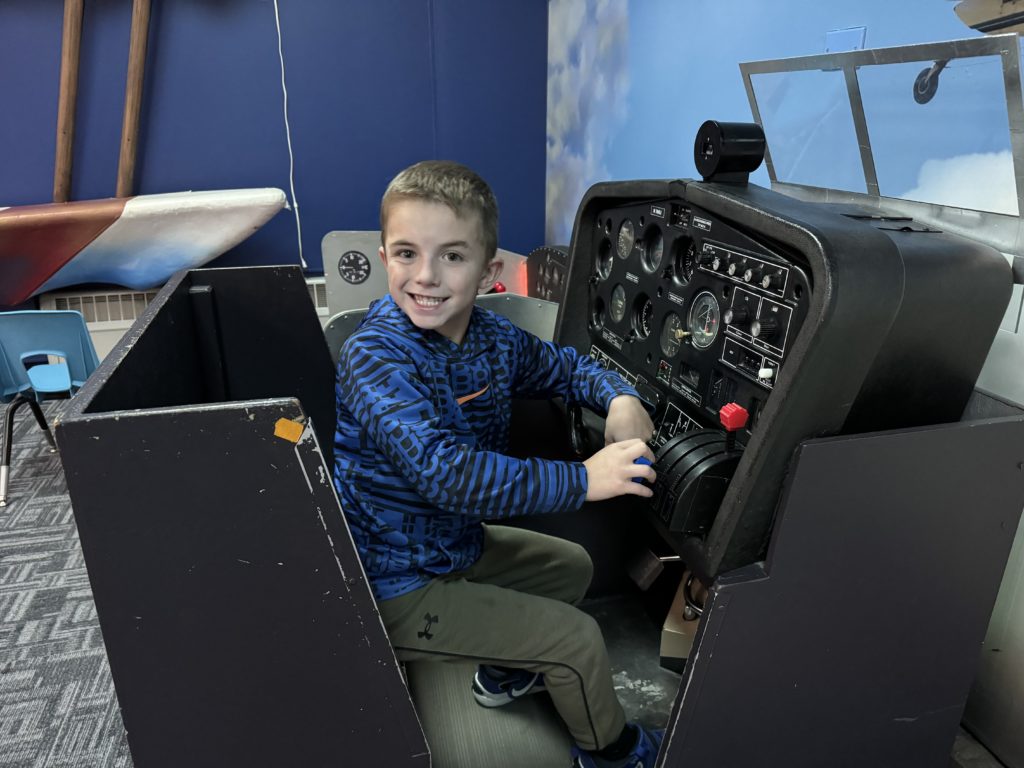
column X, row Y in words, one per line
column 288, row 137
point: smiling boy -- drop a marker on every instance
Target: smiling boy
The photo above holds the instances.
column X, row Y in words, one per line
column 424, row 394
column 436, row 263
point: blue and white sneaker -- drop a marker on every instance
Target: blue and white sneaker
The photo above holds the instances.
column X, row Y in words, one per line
column 497, row 686
column 643, row 755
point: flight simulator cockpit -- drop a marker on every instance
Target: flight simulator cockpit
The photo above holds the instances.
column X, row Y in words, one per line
column 807, row 364
column 753, row 322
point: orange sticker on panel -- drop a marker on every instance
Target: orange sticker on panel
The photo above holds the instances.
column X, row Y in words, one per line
column 288, row 430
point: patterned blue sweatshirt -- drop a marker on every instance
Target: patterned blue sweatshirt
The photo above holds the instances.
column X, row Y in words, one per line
column 423, row 425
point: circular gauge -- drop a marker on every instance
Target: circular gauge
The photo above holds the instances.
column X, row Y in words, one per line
column 354, row 267
column 703, row 320
column 643, row 315
column 626, row 239
column 671, row 333
column 618, row 308
column 684, row 259
column 597, row 314
column 654, row 249
column 604, row 259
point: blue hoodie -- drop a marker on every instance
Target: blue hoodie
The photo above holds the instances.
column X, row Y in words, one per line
column 423, row 425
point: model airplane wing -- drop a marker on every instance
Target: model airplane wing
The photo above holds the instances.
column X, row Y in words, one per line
column 137, row 242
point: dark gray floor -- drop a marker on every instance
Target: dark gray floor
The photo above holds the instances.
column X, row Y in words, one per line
column 968, row 753
column 529, row 731
column 57, row 703
column 645, row 689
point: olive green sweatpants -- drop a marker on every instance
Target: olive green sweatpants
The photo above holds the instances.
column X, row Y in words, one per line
column 514, row 608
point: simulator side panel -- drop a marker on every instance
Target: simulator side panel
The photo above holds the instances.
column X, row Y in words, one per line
column 238, row 622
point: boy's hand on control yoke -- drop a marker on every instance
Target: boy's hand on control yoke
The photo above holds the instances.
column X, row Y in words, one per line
column 611, row 470
column 627, row 419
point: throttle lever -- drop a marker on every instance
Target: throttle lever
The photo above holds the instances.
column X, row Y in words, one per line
column 733, row 417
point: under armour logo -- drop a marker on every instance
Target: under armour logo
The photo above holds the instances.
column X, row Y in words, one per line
column 431, row 620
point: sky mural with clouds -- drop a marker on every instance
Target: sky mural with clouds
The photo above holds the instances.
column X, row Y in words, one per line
column 630, row 81
column 588, row 86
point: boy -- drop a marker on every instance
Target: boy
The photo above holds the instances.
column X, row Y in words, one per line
column 424, row 395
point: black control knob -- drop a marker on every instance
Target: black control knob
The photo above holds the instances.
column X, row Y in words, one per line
column 736, row 268
column 718, row 262
column 752, row 275
column 736, row 316
column 771, row 282
column 765, row 329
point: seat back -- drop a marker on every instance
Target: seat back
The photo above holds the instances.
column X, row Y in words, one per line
column 340, row 327
column 37, row 332
column 534, row 315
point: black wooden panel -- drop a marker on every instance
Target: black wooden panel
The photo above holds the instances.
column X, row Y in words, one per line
column 221, row 334
column 271, row 339
column 236, row 616
column 154, row 364
column 858, row 642
column 954, row 297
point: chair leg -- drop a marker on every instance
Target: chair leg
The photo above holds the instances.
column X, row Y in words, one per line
column 12, row 408
column 37, row 411
column 5, row 466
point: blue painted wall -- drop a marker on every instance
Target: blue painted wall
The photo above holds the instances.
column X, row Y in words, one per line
column 373, row 85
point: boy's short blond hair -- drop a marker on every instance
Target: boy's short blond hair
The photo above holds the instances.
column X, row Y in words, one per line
column 450, row 183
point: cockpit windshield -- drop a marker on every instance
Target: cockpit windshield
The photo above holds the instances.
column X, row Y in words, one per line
column 934, row 123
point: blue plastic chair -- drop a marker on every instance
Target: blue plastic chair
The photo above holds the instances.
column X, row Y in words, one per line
column 28, row 342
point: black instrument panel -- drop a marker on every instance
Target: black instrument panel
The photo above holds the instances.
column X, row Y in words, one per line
column 694, row 312
column 816, row 318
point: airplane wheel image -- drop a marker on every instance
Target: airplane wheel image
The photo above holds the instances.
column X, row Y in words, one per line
column 927, row 82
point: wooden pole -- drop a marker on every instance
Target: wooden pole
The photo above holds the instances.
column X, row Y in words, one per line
column 71, row 37
column 133, row 97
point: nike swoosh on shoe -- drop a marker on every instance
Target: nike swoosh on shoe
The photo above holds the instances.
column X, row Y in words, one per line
column 515, row 693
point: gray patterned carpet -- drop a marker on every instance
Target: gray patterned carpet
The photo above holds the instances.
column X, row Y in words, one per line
column 57, row 703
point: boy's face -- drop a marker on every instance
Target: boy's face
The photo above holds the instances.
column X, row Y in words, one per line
column 436, row 265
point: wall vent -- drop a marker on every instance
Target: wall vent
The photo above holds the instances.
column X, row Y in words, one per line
column 318, row 293
column 105, row 311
